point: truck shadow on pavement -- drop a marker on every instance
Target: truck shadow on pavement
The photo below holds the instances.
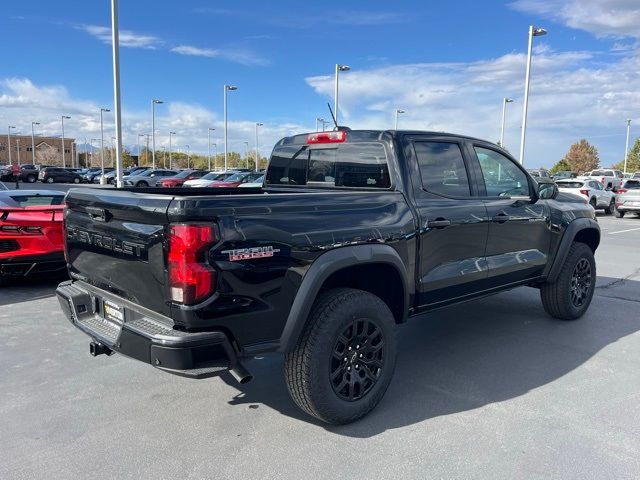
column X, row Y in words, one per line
column 467, row 356
column 27, row 290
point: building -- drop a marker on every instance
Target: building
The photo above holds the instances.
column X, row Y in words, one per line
column 47, row 149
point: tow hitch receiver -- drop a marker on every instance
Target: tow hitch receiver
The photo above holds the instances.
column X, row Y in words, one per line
column 96, row 349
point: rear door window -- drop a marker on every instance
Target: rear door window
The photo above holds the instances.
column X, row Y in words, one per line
column 442, row 168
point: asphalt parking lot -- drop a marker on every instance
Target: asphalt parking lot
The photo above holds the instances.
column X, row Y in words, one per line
column 490, row 389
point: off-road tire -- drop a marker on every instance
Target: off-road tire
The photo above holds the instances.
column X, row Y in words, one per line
column 308, row 368
column 559, row 297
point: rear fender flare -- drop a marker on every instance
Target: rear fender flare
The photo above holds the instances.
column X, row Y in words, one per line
column 320, row 270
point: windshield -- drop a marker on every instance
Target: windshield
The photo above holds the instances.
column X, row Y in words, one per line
column 570, row 184
column 236, row 177
column 146, row 173
column 184, row 174
column 213, row 176
column 34, row 200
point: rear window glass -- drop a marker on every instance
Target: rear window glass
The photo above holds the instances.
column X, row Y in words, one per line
column 632, row 184
column 346, row 165
column 570, row 184
column 34, row 200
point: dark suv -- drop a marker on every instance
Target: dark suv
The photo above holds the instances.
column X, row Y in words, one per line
column 58, row 175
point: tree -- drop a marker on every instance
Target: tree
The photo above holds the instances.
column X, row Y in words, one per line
column 582, row 157
column 561, row 166
column 633, row 159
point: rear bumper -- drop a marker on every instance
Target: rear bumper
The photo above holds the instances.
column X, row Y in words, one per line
column 32, row 265
column 145, row 335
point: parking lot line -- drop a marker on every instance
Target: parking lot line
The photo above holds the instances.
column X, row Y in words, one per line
column 627, row 230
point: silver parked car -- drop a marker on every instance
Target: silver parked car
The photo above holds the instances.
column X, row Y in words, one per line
column 628, row 198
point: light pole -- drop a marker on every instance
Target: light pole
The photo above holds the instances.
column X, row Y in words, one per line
column 246, row 152
column 257, row 146
column 117, row 117
column 324, row 124
column 318, row 120
column 164, row 156
column 339, row 68
column 188, row 157
column 9, row 141
column 504, row 111
column 62, row 118
column 215, row 156
column 170, row 134
column 226, row 89
column 626, row 146
column 102, row 110
column 138, row 152
column 209, row 144
column 398, row 112
column 86, row 154
column 18, row 150
column 33, row 144
column 153, row 130
column 533, row 32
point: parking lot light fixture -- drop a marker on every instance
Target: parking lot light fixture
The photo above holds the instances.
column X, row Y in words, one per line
column 257, row 145
column 533, row 32
column 626, row 146
column 9, row 141
column 209, row 144
column 170, row 135
column 504, row 111
column 154, row 102
column 398, row 111
column 339, row 68
column 33, row 146
column 227, row 88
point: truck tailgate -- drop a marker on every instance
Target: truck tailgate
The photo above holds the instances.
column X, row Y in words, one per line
column 115, row 241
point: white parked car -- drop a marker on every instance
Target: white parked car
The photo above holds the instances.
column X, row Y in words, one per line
column 592, row 190
column 207, row 179
column 257, row 183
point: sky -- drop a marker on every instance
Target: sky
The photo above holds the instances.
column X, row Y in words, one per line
column 447, row 64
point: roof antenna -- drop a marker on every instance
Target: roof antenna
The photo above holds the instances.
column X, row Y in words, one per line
column 333, row 116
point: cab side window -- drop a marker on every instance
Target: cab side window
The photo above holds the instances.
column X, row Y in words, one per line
column 502, row 178
column 442, row 168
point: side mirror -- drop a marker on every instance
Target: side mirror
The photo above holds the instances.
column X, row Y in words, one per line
column 547, row 190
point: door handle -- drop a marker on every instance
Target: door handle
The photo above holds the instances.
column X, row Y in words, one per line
column 438, row 223
column 500, row 218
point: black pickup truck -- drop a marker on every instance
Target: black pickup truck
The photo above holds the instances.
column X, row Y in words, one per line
column 352, row 233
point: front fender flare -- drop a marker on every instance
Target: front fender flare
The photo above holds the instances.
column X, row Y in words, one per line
column 565, row 243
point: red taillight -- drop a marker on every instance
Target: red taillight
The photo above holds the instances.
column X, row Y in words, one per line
column 602, row 180
column 584, row 191
column 327, row 137
column 621, row 190
column 191, row 279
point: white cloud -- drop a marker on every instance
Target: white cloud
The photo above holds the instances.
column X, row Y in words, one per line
column 603, row 18
column 195, row 51
column 572, row 96
column 127, row 38
column 237, row 55
column 24, row 102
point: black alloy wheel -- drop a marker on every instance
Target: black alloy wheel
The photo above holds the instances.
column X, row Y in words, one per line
column 357, row 360
column 580, row 282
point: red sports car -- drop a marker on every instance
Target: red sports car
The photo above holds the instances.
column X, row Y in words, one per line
column 179, row 179
column 31, row 238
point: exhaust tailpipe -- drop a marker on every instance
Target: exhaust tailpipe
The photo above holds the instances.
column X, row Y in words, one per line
column 96, row 349
column 241, row 374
